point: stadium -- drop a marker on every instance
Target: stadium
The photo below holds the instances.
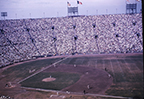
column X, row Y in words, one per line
column 72, row 57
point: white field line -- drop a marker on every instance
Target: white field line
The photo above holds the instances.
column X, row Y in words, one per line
column 78, row 61
column 135, row 65
column 141, row 62
column 82, row 62
column 120, row 68
column 110, row 96
column 61, row 60
column 89, row 63
column 75, row 62
column 77, row 93
column 43, row 69
column 129, row 68
column 69, row 60
column 140, row 71
column 112, row 70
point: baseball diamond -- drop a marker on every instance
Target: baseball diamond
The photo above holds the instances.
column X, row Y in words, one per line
column 125, row 78
column 83, row 57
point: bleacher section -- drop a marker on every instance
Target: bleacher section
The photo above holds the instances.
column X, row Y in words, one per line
column 23, row 39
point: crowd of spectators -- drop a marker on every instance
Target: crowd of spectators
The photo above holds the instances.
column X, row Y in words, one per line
column 22, row 39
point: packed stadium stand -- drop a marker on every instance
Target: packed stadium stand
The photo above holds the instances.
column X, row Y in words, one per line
column 24, row 39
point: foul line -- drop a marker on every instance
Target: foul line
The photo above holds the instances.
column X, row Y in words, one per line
column 77, row 93
column 43, row 69
column 120, row 68
column 113, row 70
column 135, row 64
column 129, row 69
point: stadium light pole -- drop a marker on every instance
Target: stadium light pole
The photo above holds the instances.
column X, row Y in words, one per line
column 16, row 16
column 57, row 14
column 44, row 14
column 30, row 15
column 87, row 12
column 96, row 12
column 106, row 11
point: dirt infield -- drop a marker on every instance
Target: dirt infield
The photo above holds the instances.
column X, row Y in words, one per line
column 98, row 80
column 126, row 78
column 92, row 80
column 48, row 79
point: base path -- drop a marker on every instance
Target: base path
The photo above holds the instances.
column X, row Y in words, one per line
column 92, row 80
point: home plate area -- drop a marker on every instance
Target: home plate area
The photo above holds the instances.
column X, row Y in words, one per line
column 71, row 78
column 57, row 96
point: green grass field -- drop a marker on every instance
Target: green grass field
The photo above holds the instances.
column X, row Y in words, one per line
column 127, row 72
column 21, row 71
column 63, row 80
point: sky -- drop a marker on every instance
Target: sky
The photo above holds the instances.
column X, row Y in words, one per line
column 21, row 9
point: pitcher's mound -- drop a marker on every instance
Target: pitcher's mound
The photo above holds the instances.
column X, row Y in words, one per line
column 49, row 79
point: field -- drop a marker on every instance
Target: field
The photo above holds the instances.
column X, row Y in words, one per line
column 74, row 73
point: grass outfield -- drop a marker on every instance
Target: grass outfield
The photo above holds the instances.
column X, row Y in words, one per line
column 127, row 72
column 63, row 80
column 19, row 72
